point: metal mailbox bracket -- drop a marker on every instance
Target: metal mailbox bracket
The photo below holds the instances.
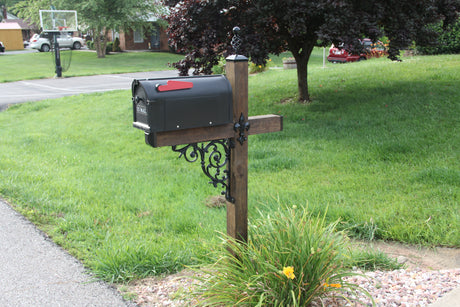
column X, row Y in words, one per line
column 212, row 161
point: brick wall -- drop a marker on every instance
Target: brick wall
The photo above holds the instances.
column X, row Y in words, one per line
column 127, row 41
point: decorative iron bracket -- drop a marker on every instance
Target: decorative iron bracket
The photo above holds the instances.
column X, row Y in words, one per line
column 213, row 160
column 242, row 126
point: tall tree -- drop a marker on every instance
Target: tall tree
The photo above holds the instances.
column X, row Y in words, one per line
column 99, row 16
column 103, row 15
column 202, row 28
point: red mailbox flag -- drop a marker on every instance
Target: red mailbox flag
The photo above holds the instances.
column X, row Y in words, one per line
column 174, row 86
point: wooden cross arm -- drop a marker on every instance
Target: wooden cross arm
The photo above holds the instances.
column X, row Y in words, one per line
column 258, row 124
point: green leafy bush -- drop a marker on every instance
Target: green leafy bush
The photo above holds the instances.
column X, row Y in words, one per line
column 448, row 40
column 219, row 69
column 90, row 45
column 291, row 259
column 109, row 47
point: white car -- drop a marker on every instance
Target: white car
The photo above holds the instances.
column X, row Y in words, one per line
column 42, row 41
column 2, row 47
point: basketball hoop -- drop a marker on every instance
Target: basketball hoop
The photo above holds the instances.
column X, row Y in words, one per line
column 59, row 23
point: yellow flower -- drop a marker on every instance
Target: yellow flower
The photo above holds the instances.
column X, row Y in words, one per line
column 332, row 285
column 289, row 272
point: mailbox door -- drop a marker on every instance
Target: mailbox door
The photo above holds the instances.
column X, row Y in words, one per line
column 199, row 111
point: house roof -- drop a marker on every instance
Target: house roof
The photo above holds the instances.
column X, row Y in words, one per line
column 10, row 26
column 24, row 25
column 11, row 16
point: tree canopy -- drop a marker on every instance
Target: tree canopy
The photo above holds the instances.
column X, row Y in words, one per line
column 29, row 10
column 103, row 15
column 202, row 29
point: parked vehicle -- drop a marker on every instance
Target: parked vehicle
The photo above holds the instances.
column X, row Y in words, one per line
column 43, row 43
column 340, row 55
column 2, row 47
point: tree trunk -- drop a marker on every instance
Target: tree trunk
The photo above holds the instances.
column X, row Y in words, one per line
column 302, row 78
column 100, row 42
column 302, row 56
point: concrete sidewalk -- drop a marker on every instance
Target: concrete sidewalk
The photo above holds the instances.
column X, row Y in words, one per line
column 451, row 299
column 36, row 272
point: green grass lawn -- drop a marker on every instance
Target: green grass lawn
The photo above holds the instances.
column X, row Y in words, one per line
column 40, row 65
column 378, row 147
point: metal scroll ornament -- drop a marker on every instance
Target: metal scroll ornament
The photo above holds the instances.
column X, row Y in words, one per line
column 214, row 157
column 241, row 126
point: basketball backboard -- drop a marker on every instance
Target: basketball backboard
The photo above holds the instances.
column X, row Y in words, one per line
column 58, row 21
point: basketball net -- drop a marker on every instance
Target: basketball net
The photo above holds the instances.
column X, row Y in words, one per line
column 65, row 52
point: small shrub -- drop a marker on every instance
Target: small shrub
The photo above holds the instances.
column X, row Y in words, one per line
column 254, row 68
column 291, row 259
column 90, row 45
column 219, row 69
column 116, row 45
column 109, row 47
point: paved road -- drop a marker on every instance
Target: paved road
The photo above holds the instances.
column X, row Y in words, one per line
column 33, row 90
column 36, row 272
column 26, row 50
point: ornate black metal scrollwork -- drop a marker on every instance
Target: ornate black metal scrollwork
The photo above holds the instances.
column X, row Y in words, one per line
column 242, row 125
column 214, row 157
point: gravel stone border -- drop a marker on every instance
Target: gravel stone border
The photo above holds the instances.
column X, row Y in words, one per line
column 405, row 288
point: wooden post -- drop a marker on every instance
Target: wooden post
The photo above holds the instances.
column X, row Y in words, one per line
column 237, row 131
column 237, row 210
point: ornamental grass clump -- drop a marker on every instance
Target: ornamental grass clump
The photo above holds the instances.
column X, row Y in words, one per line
column 292, row 258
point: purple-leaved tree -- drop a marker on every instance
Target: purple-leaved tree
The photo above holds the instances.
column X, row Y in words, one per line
column 202, row 28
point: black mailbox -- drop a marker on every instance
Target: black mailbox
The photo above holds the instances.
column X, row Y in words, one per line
column 181, row 103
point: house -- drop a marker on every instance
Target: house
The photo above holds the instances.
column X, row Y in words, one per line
column 149, row 38
column 14, row 31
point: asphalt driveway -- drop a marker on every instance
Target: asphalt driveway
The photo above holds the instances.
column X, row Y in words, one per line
column 34, row 90
column 36, row 272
